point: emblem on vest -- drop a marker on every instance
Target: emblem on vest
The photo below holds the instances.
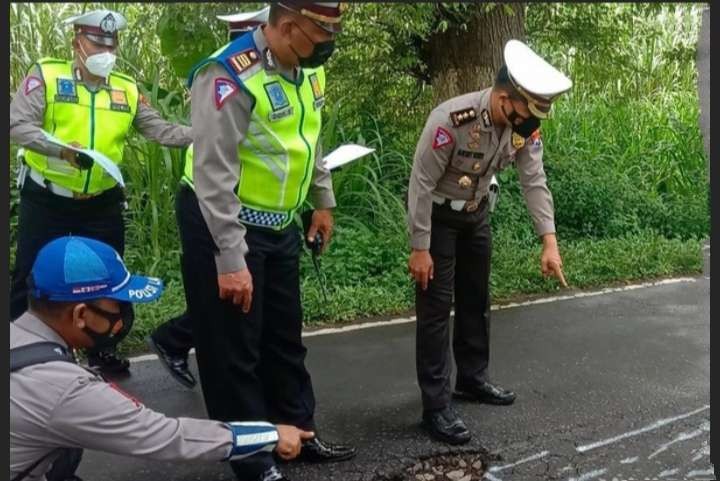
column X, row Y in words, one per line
column 118, row 101
column 278, row 100
column 317, row 92
column 66, row 91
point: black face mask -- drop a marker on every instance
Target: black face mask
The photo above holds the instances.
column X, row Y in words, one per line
column 526, row 128
column 322, row 51
column 107, row 340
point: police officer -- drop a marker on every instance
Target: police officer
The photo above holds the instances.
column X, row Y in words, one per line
column 465, row 141
column 172, row 340
column 256, row 115
column 80, row 296
column 83, row 102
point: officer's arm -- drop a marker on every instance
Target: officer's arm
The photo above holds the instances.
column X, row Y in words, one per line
column 538, row 198
column 431, row 157
column 97, row 415
column 220, row 124
column 27, row 110
column 321, row 189
column 152, row 126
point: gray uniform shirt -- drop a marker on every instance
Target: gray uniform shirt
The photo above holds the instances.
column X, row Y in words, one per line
column 28, row 109
column 456, row 159
column 60, row 404
column 217, row 132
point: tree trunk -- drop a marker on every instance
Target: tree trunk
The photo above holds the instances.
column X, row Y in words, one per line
column 464, row 60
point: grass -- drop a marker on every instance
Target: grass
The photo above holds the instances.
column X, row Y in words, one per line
column 623, row 156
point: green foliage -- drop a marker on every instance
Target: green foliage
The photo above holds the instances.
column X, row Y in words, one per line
column 623, row 153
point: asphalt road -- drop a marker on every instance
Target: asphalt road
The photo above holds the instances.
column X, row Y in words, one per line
column 612, row 386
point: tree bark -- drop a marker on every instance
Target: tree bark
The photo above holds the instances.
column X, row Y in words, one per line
column 464, row 60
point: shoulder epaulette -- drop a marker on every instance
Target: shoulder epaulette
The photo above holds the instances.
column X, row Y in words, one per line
column 461, row 117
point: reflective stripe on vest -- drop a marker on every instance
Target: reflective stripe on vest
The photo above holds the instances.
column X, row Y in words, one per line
column 97, row 120
column 278, row 153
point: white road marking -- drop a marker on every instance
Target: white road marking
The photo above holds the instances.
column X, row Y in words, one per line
column 405, row 320
column 668, row 472
column 495, row 469
column 590, row 475
column 629, row 434
column 629, row 460
column 489, row 476
column 680, row 438
column 697, row 472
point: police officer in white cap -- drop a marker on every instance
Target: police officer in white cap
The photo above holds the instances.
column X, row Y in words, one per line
column 465, row 141
column 80, row 296
column 172, row 340
column 85, row 102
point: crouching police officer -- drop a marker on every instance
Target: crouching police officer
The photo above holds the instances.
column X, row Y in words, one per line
column 465, row 141
column 83, row 102
column 80, row 296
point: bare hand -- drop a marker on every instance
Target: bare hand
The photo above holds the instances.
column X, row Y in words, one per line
column 322, row 221
column 69, row 155
column 420, row 266
column 290, row 441
column 550, row 261
column 237, row 287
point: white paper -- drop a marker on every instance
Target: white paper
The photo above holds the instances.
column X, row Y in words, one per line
column 108, row 165
column 345, row 154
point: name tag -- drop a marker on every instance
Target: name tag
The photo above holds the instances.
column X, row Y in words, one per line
column 280, row 114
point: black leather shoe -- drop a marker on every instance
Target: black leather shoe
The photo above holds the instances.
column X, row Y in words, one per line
column 485, row 392
column 317, row 451
column 108, row 362
column 446, row 426
column 177, row 366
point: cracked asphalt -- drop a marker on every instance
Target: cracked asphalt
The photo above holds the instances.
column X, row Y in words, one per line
column 615, row 386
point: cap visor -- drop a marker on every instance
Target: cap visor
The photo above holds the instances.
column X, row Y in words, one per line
column 101, row 40
column 139, row 289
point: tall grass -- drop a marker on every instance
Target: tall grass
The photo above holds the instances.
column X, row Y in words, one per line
column 623, row 155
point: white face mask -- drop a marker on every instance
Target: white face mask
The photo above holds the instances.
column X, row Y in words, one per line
column 100, row 64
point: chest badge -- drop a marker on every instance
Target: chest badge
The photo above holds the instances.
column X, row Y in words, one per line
column 278, row 101
column 317, row 91
column 517, row 140
column 476, row 166
column 66, row 91
column 464, row 182
column 118, row 101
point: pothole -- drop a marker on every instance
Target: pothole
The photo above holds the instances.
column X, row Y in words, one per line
column 451, row 466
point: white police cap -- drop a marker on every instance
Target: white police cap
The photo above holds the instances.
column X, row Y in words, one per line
column 100, row 26
column 244, row 21
column 536, row 80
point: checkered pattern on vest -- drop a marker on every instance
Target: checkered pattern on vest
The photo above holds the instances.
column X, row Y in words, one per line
column 262, row 218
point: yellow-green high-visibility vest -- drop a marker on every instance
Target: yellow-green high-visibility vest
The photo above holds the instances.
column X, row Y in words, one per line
column 97, row 120
column 278, row 153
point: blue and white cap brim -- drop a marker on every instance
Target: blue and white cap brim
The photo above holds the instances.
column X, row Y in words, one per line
column 137, row 289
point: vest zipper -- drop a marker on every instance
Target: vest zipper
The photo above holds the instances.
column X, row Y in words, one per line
column 302, row 121
column 92, row 138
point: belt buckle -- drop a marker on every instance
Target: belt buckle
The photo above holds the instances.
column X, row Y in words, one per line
column 471, row 206
column 81, row 196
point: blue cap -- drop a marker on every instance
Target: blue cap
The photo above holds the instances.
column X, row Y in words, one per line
column 80, row 269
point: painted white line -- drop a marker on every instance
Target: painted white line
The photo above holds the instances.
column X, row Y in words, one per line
column 406, row 320
column 489, row 476
column 629, row 434
column 697, row 472
column 495, row 469
column 590, row 475
column 629, row 460
column 701, row 452
column 668, row 472
column 682, row 437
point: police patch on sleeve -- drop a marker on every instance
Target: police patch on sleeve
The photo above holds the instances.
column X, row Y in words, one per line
column 224, row 89
column 31, row 83
column 442, row 138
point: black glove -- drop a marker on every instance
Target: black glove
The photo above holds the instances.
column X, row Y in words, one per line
column 83, row 160
column 315, row 245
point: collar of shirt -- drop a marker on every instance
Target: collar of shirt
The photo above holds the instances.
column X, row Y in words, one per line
column 269, row 62
column 29, row 322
